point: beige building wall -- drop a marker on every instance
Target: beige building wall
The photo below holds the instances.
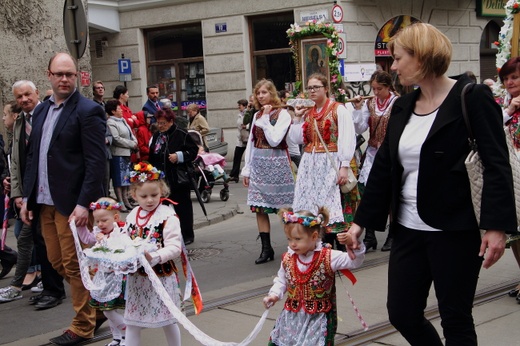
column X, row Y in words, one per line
column 227, row 59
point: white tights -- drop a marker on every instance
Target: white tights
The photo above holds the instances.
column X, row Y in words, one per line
column 116, row 323
column 171, row 331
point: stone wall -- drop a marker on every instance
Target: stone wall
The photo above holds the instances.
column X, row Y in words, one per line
column 31, row 32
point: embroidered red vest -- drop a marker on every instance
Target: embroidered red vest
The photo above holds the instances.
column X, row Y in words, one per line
column 312, row 290
column 378, row 123
column 328, row 126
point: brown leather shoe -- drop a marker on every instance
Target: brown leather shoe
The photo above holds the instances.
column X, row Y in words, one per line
column 68, row 338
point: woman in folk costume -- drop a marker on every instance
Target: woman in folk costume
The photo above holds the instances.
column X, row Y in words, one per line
column 318, row 183
column 509, row 75
column 267, row 171
column 374, row 114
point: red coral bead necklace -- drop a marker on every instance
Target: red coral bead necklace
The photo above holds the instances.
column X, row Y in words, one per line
column 142, row 221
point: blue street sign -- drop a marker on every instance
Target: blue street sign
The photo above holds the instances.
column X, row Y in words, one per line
column 125, row 66
column 341, row 67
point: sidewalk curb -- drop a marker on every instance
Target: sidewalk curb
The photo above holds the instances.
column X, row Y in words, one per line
column 216, row 217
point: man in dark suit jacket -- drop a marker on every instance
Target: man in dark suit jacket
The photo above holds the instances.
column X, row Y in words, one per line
column 63, row 176
column 152, row 105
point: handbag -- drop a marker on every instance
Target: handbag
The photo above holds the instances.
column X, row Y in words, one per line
column 183, row 175
column 351, row 178
column 475, row 167
column 244, row 135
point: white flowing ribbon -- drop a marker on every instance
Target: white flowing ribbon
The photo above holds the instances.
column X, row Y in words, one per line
column 166, row 299
column 83, row 266
column 186, row 323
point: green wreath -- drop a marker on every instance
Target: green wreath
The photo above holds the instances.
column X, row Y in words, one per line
column 296, row 32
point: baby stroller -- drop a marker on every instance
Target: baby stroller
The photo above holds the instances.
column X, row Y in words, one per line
column 208, row 171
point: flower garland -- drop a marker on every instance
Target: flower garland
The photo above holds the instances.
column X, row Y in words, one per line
column 504, row 42
column 143, row 171
column 307, row 221
column 296, row 32
column 106, row 205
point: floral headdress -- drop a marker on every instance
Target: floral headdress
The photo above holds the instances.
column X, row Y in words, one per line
column 105, row 205
column 307, row 221
column 143, row 171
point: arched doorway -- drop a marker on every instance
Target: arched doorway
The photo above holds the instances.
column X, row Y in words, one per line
column 488, row 50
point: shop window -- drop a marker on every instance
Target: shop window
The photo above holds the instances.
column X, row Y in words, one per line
column 271, row 55
column 176, row 65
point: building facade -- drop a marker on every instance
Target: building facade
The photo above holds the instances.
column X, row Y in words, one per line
column 212, row 52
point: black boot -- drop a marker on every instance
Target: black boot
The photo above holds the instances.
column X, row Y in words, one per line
column 387, row 246
column 370, row 240
column 267, row 251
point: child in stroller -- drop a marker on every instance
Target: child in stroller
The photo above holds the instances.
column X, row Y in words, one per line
column 208, row 169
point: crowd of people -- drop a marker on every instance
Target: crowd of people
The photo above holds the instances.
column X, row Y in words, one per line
column 414, row 158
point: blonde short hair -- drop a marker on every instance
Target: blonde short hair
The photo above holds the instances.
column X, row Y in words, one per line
column 192, row 107
column 430, row 46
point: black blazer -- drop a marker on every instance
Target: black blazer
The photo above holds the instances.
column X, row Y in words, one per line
column 76, row 158
column 178, row 140
column 443, row 190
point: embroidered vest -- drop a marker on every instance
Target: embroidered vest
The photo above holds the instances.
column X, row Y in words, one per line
column 328, row 126
column 259, row 135
column 310, row 291
column 378, row 123
column 161, row 269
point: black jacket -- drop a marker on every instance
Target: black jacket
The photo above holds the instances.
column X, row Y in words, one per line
column 178, row 140
column 443, row 190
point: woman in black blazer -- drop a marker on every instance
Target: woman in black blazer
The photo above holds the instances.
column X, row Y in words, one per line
column 419, row 174
column 172, row 149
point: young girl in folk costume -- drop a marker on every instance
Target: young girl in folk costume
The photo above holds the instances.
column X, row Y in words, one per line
column 307, row 275
column 106, row 218
column 267, row 170
column 318, row 182
column 144, row 307
column 374, row 114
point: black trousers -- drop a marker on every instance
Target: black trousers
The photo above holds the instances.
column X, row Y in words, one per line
column 237, row 159
column 450, row 261
column 184, row 209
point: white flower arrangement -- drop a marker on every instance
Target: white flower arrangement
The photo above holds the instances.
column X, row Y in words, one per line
column 504, row 43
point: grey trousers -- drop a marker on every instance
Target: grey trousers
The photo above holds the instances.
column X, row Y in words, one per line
column 25, row 250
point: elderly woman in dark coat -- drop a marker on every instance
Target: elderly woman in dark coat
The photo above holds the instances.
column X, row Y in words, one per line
column 173, row 151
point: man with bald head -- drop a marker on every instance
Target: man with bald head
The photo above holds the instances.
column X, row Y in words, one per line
column 62, row 178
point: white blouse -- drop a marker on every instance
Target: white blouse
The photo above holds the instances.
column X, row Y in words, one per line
column 274, row 134
column 410, row 145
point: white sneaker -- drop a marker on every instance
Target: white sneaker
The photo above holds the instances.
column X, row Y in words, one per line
column 115, row 342
column 38, row 288
column 10, row 294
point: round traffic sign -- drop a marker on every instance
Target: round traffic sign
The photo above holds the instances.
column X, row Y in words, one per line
column 337, row 13
column 341, row 45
